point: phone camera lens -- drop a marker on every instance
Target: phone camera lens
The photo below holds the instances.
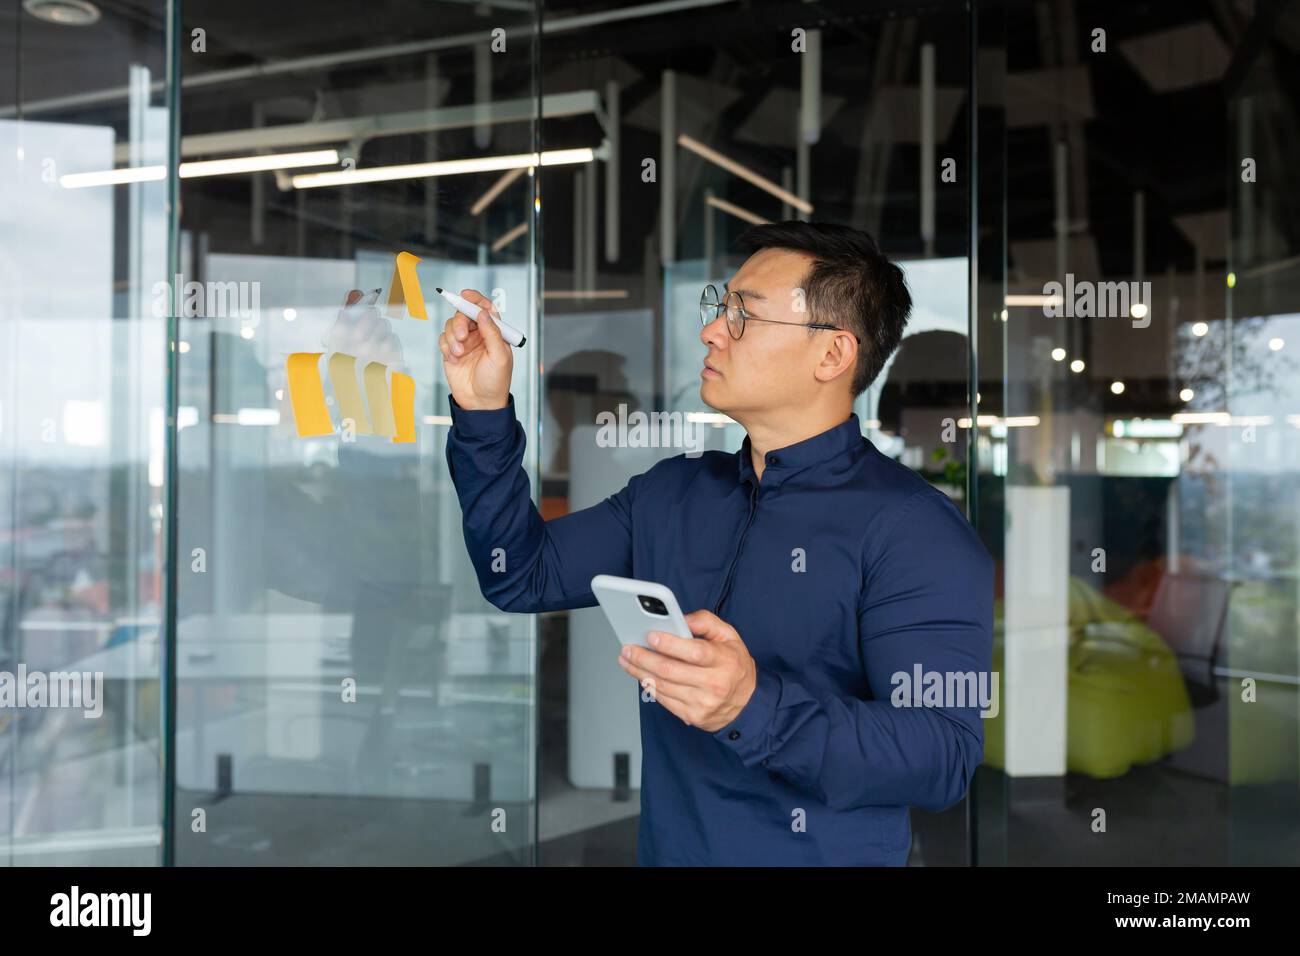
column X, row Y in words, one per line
column 652, row 605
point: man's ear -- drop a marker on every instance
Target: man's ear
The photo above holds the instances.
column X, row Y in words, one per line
column 838, row 358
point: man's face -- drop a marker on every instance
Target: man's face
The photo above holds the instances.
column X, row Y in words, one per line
column 771, row 366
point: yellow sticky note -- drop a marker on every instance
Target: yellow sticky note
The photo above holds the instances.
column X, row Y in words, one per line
column 405, row 289
column 343, row 376
column 307, row 394
column 381, row 409
column 404, row 407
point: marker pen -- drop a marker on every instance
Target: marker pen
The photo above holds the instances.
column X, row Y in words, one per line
column 508, row 331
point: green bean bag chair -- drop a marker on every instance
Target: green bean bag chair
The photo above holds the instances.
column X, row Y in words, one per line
column 1127, row 700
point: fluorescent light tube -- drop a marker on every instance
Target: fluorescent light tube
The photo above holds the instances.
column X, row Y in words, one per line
column 208, row 167
column 744, row 172
column 446, row 167
column 258, row 164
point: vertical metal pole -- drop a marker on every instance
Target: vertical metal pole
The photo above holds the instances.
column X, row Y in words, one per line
column 1061, row 205
column 1245, row 196
column 431, row 79
column 129, row 372
column 589, row 225
column 167, row 639
column 579, row 224
column 536, row 313
column 972, row 334
column 709, row 239
column 612, row 181
column 483, row 86
column 927, row 176
column 257, row 223
column 668, row 168
column 802, row 174
column 1139, row 236
column 810, row 89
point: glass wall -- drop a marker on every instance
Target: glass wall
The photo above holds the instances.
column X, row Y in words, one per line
column 717, row 117
column 82, row 432
column 1137, row 432
column 345, row 694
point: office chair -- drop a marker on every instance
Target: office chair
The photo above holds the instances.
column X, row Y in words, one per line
column 1189, row 612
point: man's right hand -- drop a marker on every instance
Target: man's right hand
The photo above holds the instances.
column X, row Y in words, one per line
column 476, row 359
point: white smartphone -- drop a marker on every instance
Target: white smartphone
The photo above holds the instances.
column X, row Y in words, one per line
column 635, row 608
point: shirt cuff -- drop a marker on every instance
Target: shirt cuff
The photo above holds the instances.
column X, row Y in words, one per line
column 747, row 736
column 477, row 422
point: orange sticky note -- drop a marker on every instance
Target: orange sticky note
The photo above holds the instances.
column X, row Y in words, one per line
column 381, row 406
column 307, row 395
column 343, row 376
column 404, row 407
column 405, row 289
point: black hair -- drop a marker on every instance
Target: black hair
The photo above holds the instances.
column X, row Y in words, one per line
column 851, row 284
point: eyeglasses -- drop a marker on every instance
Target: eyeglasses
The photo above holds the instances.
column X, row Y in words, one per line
column 734, row 303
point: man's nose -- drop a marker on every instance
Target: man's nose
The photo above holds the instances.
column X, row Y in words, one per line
column 715, row 333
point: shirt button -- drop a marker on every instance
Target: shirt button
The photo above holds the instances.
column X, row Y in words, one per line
column 734, row 735
column 771, row 459
column 765, row 759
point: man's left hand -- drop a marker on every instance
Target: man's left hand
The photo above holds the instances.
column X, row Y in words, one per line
column 705, row 681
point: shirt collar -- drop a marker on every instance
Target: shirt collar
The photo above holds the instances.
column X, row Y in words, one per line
column 784, row 462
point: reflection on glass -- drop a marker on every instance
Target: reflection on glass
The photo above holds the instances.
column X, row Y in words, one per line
column 82, row 424
column 710, row 139
column 346, row 696
column 1137, row 449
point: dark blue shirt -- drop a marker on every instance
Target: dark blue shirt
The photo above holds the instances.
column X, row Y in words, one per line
column 840, row 569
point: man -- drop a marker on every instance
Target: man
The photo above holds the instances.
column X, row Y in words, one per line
column 826, row 575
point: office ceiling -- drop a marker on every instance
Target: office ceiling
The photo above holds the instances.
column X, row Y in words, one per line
column 1151, row 114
